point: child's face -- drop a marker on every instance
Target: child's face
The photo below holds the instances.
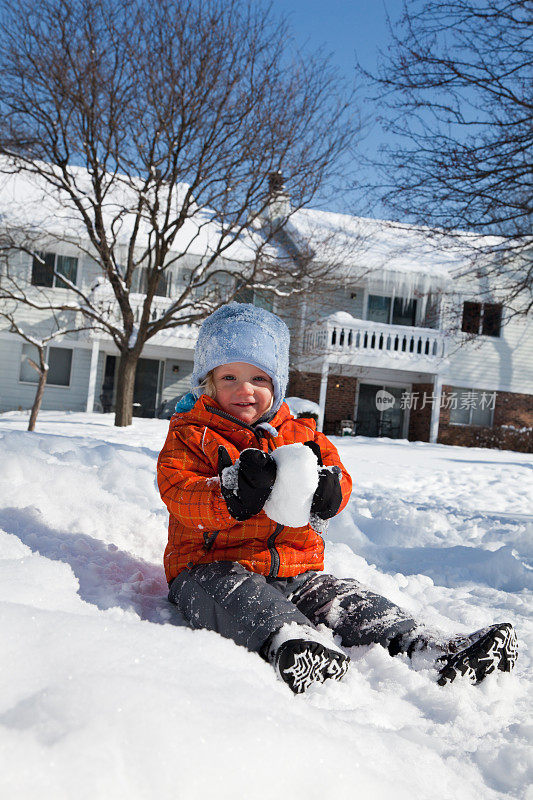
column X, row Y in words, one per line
column 243, row 390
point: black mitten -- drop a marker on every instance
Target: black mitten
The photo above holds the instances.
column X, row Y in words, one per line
column 246, row 485
column 328, row 496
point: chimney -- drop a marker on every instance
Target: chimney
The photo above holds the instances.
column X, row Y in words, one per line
column 279, row 203
column 276, row 184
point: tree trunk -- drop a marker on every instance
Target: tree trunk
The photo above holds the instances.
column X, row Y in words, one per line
column 125, row 384
column 43, row 374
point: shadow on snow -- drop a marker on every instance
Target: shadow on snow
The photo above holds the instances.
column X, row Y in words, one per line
column 107, row 577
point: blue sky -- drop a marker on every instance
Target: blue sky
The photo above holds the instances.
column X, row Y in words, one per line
column 347, row 30
column 344, row 27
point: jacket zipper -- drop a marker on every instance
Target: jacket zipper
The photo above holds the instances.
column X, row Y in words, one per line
column 274, row 555
column 209, row 539
column 239, row 422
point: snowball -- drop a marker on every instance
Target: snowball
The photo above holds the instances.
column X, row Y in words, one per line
column 296, row 481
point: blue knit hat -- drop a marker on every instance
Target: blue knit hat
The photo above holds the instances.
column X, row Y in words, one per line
column 243, row 332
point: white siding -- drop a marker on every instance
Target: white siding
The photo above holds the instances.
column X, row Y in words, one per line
column 176, row 383
column 14, row 394
column 503, row 364
column 342, row 300
column 40, row 323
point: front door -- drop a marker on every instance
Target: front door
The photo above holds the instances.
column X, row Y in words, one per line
column 379, row 412
column 146, row 388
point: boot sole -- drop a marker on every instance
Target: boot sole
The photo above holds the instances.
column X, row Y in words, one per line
column 496, row 649
column 312, row 663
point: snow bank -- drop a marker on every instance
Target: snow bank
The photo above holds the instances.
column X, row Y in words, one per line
column 299, row 405
column 106, row 693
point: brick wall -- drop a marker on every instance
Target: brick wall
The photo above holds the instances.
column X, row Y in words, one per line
column 340, row 401
column 340, row 398
column 514, row 409
column 304, row 384
column 420, row 418
column 512, row 427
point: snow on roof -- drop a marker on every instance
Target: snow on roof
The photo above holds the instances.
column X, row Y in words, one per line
column 29, row 202
column 390, row 252
column 376, row 251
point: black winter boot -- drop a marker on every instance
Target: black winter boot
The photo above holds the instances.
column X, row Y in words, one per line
column 476, row 656
column 302, row 657
column 473, row 657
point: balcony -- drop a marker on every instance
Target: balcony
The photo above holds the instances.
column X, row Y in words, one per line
column 346, row 340
column 159, row 306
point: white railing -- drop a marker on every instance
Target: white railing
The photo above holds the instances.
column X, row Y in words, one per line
column 158, row 307
column 111, row 313
column 364, row 337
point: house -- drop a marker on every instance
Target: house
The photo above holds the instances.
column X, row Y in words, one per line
column 411, row 342
column 83, row 365
column 393, row 344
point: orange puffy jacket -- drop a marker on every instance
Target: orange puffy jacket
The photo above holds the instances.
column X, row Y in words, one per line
column 200, row 527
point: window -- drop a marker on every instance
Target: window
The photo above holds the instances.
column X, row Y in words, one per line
column 403, row 312
column 29, row 374
column 164, row 284
column 379, row 308
column 264, row 300
column 44, row 266
column 482, row 318
column 259, row 299
column 59, row 361
column 431, row 314
column 68, row 267
column 471, row 407
column 244, row 295
column 392, row 312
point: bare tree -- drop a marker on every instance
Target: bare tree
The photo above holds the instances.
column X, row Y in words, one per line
column 41, row 365
column 153, row 127
column 57, row 325
column 456, row 92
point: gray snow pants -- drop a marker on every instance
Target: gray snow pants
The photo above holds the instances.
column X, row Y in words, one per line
column 247, row 607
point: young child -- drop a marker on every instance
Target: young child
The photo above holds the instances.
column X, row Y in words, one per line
column 233, row 570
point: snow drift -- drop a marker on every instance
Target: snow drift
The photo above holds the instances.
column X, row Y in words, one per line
column 106, row 693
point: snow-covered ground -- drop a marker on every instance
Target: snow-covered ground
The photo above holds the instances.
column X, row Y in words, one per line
column 106, row 694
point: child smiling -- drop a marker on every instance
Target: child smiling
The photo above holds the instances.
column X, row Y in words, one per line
column 243, row 390
column 233, row 570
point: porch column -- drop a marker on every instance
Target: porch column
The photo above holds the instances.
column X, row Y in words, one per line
column 92, row 375
column 323, row 392
column 435, row 409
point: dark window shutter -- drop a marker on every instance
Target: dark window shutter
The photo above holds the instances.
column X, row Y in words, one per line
column 471, row 317
column 492, row 319
column 42, row 274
